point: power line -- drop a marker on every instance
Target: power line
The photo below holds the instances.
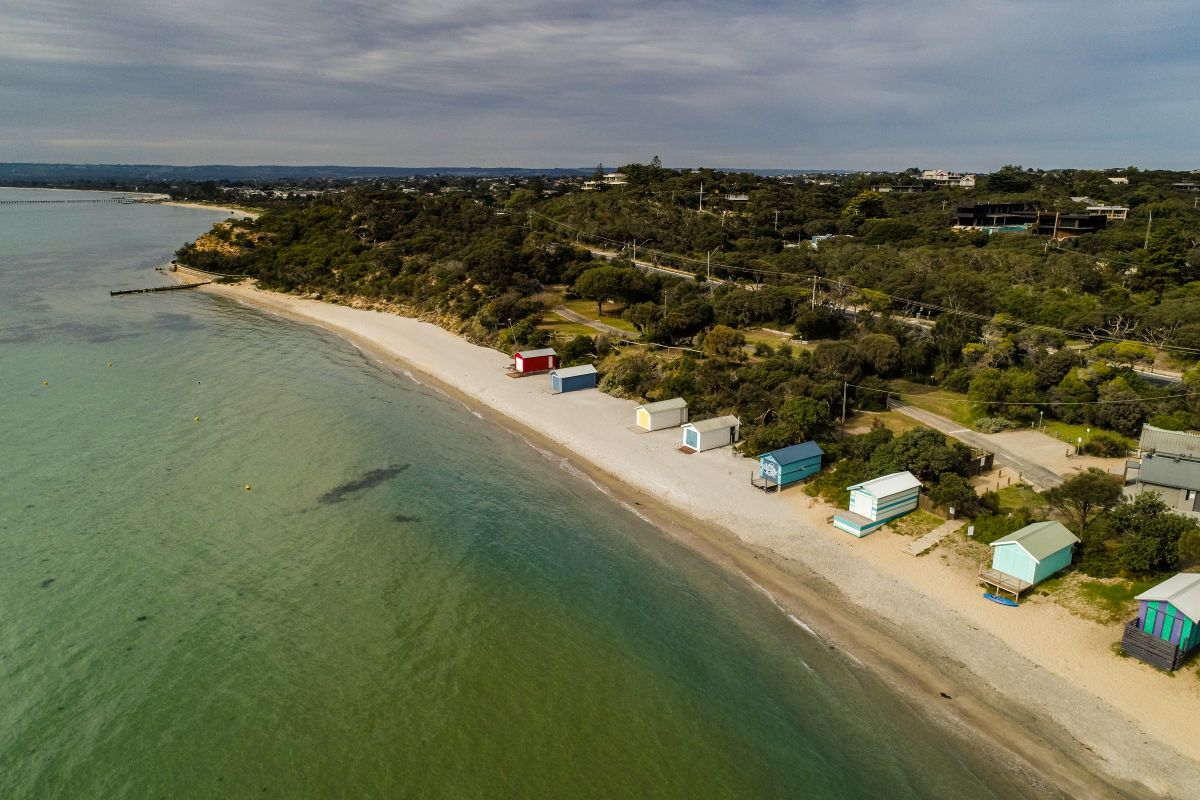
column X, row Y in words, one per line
column 989, row 319
column 1036, row 402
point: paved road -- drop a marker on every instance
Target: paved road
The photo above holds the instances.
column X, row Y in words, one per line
column 1034, row 474
column 607, row 330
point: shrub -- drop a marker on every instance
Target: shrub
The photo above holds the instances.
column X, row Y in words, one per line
column 990, row 527
column 1106, row 445
column 994, row 424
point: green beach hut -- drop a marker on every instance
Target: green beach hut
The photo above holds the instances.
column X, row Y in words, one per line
column 1031, row 555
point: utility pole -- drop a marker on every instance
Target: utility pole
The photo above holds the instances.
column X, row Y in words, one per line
column 708, row 264
column 843, row 434
column 1148, row 224
column 776, row 221
column 701, row 195
column 814, row 292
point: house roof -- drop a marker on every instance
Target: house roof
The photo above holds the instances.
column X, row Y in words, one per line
column 716, row 423
column 1181, row 591
column 571, row 372
column 1176, row 472
column 665, row 405
column 1040, row 540
column 1176, row 443
column 545, row 351
column 797, row 452
column 889, row 484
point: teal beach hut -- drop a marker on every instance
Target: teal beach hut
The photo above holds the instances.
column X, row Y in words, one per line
column 1029, row 556
column 873, row 503
column 1167, row 629
column 787, row 465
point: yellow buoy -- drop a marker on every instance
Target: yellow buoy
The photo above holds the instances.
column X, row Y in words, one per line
column 247, row 487
column 110, row 363
column 45, row 383
column 196, row 418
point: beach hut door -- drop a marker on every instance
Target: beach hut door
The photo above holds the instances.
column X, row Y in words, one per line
column 691, row 439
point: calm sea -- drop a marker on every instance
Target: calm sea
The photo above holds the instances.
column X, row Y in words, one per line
column 407, row 602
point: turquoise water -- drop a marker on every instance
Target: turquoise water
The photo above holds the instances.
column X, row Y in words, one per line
column 408, row 602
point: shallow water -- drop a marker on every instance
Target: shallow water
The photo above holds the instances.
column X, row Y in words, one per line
column 407, row 601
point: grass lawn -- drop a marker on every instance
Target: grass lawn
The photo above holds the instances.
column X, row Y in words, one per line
column 937, row 401
column 562, row 329
column 918, row 523
column 611, row 315
column 1111, row 600
column 861, row 422
column 1018, row 496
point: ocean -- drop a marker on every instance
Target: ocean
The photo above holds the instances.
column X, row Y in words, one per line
column 238, row 558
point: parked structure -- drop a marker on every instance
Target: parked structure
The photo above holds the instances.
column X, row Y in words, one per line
column 1167, row 629
column 1029, row 556
column 787, row 465
column 663, row 414
column 572, row 379
column 710, row 433
column 1169, row 466
column 530, row 362
column 878, row 501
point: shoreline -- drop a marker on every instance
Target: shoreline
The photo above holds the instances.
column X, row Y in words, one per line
column 1053, row 755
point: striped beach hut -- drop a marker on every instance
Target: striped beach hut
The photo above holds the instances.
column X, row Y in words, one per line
column 875, row 502
column 787, row 465
column 1167, row 629
column 1029, row 556
column 572, row 379
column 663, row 414
column 527, row 362
column 710, row 433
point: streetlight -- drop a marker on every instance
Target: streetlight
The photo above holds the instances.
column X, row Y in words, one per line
column 708, row 264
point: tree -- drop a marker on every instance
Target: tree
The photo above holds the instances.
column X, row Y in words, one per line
column 922, row 451
column 602, row 283
column 1083, row 497
column 724, row 342
column 881, row 352
column 865, row 205
column 1149, row 534
column 954, row 491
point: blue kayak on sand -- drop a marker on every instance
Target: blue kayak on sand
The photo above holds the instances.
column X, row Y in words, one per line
column 1004, row 601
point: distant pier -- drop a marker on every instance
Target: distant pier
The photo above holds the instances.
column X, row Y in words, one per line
column 59, row 202
column 115, row 292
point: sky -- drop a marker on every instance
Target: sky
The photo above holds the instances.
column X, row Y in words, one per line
column 838, row 84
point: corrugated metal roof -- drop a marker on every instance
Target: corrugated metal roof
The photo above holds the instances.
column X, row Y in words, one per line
column 571, row 372
column 887, row 485
column 1179, row 443
column 1181, row 591
column 716, row 423
column 545, row 351
column 1041, row 539
column 797, row 452
column 1165, row 470
column 665, row 405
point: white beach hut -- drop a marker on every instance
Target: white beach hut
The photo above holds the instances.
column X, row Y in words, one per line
column 877, row 501
column 710, row 433
column 663, row 414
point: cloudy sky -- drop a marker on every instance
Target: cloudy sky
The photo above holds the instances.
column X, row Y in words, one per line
column 855, row 84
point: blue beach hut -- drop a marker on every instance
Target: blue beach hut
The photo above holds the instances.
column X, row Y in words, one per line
column 787, row 465
column 571, row 379
column 1029, row 556
column 875, row 502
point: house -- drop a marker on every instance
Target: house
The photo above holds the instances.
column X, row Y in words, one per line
column 572, row 379
column 710, row 433
column 1029, row 556
column 787, row 465
column 528, row 362
column 1119, row 180
column 615, row 179
column 1167, row 628
column 877, row 501
column 663, row 414
column 737, row 198
column 1170, row 466
column 1061, row 225
column 940, row 177
column 1112, row 213
column 994, row 215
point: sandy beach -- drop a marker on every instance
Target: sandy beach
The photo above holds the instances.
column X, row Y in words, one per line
column 1038, row 688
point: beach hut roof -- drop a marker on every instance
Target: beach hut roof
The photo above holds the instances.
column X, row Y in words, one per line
column 665, row 405
column 1181, row 591
column 797, row 452
column 716, row 423
column 571, row 372
column 889, row 484
column 1167, row 470
column 1041, row 539
column 545, row 351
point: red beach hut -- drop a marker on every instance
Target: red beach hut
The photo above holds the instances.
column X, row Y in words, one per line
column 528, row 362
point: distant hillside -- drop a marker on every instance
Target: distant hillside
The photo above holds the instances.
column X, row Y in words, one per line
column 87, row 173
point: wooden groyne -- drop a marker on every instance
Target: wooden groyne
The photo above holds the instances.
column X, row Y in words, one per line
column 115, row 292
